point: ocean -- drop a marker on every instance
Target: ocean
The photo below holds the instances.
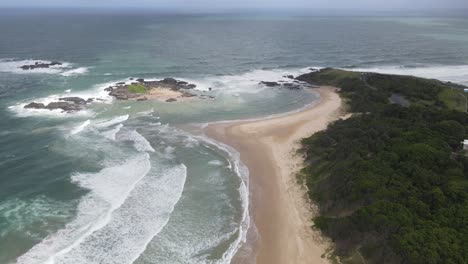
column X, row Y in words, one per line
column 122, row 181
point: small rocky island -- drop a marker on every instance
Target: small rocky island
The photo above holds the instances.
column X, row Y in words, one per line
column 40, row 65
column 168, row 89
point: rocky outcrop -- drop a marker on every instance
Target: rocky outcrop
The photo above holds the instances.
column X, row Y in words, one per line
column 66, row 104
column 283, row 84
column 39, row 65
column 123, row 91
column 270, row 84
column 76, row 100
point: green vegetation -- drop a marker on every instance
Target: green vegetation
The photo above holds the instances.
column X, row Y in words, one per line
column 454, row 99
column 391, row 182
column 137, row 88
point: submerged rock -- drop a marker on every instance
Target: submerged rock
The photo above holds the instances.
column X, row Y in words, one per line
column 270, row 84
column 67, row 107
column 76, row 100
column 292, row 86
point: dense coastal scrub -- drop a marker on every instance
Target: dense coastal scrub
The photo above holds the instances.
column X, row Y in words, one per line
column 391, row 181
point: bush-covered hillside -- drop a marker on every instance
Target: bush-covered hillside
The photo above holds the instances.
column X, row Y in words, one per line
column 391, row 182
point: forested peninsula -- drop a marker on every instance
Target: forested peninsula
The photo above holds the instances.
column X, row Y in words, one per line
column 391, row 181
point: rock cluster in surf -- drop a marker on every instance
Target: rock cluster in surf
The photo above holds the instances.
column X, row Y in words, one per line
column 66, row 104
column 142, row 90
column 295, row 84
column 40, row 65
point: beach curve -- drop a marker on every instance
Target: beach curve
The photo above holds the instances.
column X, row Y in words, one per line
column 279, row 207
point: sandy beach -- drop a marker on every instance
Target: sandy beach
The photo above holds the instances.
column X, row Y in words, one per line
column 279, row 206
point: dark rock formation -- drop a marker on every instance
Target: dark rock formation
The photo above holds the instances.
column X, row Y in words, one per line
column 121, row 90
column 65, row 106
column 122, row 93
column 270, row 84
column 35, row 105
column 292, row 86
column 171, row 100
column 39, row 65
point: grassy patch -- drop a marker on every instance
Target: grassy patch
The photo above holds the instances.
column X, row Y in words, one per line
column 137, row 88
column 453, row 98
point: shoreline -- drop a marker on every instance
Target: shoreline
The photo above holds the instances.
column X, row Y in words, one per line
column 279, row 207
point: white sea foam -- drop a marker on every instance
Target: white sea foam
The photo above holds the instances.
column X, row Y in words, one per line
column 77, row 71
column 247, row 82
column 111, row 122
column 20, row 111
column 110, row 134
column 142, row 216
column 215, row 162
column 140, row 142
column 243, row 172
column 65, row 69
column 453, row 73
column 81, row 127
column 146, row 113
column 109, row 189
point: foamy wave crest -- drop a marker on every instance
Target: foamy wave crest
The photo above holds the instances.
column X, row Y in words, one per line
column 216, row 162
column 77, row 71
column 81, row 127
column 143, row 215
column 453, row 73
column 110, row 134
column 140, row 142
column 246, row 82
column 65, row 69
column 243, row 172
column 109, row 189
column 112, row 122
column 97, row 94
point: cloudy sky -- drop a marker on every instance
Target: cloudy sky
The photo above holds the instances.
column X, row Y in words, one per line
column 238, row 4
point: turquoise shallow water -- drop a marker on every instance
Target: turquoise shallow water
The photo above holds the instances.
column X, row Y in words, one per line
column 119, row 183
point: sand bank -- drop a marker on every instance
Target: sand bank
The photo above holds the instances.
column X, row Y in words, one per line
column 279, row 206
